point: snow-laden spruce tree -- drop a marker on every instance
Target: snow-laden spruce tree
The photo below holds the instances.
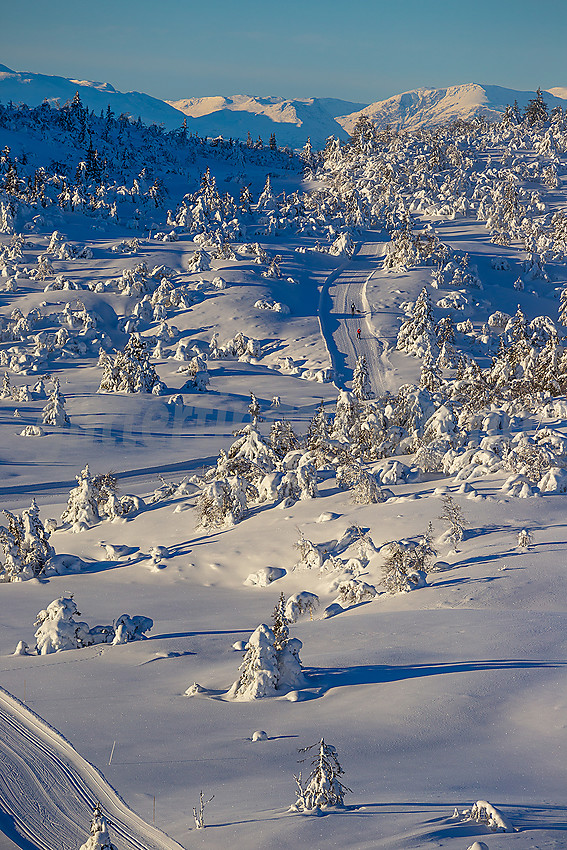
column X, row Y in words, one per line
column 26, row 545
column 99, row 838
column 250, row 456
column 280, row 625
column 347, row 416
column 417, row 334
column 283, row 438
column 361, row 380
column 82, row 507
column 259, row 676
column 57, row 628
column 323, row 788
column 319, row 429
column 272, row 664
column 130, row 371
column 54, row 412
column 6, row 388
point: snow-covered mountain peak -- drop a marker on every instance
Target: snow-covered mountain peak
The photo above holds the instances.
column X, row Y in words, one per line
column 427, row 107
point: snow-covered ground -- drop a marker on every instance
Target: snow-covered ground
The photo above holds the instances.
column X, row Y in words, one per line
column 435, row 698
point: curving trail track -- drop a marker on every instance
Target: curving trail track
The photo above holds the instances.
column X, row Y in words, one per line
column 339, row 326
column 48, row 791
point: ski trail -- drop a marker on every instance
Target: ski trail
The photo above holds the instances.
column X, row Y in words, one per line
column 48, row 791
column 339, row 326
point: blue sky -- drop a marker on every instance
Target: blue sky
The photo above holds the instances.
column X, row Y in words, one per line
column 360, row 50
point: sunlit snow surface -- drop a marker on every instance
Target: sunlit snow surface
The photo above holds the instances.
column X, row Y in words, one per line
column 434, row 699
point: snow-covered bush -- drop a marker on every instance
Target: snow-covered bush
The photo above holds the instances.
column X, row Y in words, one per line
column 353, row 591
column 484, row 813
column 300, row 604
column 406, row 564
column 222, row 502
column 127, row 628
column 273, row 306
column 264, row 577
column 58, row 630
column 310, row 557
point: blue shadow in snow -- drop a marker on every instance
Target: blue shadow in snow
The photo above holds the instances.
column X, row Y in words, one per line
column 324, row 679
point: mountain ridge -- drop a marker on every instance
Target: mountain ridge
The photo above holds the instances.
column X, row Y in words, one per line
column 429, row 107
column 292, row 120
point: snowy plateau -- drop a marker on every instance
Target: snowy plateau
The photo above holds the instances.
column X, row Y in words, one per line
column 283, row 480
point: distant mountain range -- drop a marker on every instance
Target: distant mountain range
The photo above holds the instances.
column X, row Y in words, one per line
column 292, row 121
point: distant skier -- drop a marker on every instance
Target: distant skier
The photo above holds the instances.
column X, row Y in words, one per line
column 358, row 333
column 352, row 309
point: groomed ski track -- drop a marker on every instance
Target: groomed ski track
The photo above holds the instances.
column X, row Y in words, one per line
column 48, row 791
column 344, row 287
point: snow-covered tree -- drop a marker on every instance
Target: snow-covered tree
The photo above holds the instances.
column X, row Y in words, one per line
column 259, row 669
column 347, row 416
column 417, row 333
column 319, row 429
column 54, row 412
column 250, row 456
column 6, row 388
column 361, row 379
column 271, row 663
column 404, row 568
column 99, row 838
column 199, row 816
column 323, row 788
column 524, row 539
column 453, row 516
column 82, row 505
column 130, row 371
column 280, row 625
column 536, row 110
column 223, row 501
column 57, row 628
column 563, row 307
column 254, row 409
column 283, row 438
column 26, row 545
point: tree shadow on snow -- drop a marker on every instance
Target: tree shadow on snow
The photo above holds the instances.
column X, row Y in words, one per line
column 324, row 679
column 196, row 634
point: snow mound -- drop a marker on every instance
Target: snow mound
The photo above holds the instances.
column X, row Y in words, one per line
column 264, row 577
